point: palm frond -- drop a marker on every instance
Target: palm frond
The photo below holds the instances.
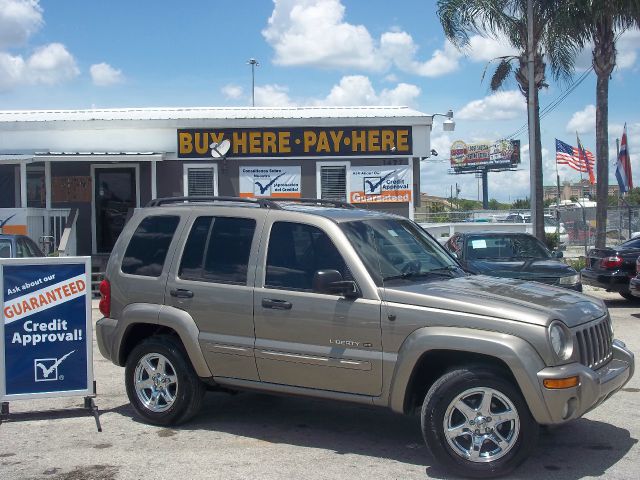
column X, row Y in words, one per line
column 503, row 70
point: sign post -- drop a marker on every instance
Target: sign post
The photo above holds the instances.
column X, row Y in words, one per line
column 46, row 333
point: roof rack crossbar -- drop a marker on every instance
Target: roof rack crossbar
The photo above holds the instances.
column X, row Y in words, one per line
column 261, row 202
column 316, row 201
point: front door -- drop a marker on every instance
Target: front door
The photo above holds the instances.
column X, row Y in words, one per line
column 307, row 338
column 115, row 196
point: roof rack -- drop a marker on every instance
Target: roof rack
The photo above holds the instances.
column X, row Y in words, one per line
column 316, row 201
column 261, row 202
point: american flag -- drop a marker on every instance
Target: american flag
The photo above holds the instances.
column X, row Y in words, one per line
column 570, row 155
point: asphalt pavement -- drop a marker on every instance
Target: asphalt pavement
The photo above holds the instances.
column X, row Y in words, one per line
column 252, row 435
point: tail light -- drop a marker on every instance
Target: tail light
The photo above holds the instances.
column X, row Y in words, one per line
column 611, row 262
column 105, row 298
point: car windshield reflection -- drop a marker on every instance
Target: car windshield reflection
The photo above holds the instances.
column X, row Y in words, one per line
column 399, row 250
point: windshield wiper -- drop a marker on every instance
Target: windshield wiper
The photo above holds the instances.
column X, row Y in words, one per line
column 440, row 272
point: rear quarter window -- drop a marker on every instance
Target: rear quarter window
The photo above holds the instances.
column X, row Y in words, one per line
column 149, row 244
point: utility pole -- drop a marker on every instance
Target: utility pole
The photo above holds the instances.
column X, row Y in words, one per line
column 254, row 63
column 533, row 170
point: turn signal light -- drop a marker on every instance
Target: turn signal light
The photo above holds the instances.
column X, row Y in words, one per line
column 105, row 298
column 611, row 262
column 557, row 383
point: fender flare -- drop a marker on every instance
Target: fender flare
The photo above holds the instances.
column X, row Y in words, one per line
column 520, row 357
column 162, row 315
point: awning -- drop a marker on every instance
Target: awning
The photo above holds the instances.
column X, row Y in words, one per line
column 98, row 156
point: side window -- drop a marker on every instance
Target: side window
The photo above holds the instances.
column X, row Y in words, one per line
column 21, row 249
column 296, row 252
column 148, row 247
column 5, row 249
column 217, row 250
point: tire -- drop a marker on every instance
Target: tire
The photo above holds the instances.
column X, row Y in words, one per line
column 462, row 390
column 628, row 296
column 161, row 384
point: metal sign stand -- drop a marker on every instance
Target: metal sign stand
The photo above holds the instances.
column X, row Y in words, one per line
column 89, row 406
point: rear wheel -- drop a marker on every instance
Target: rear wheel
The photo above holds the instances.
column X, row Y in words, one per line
column 161, row 384
column 476, row 423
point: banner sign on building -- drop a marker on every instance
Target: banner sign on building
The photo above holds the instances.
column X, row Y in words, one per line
column 46, row 328
column 471, row 157
column 270, row 182
column 297, row 142
column 380, row 184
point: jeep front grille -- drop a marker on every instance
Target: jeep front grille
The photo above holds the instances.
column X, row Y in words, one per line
column 594, row 343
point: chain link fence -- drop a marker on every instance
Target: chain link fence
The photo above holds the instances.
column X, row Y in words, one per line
column 575, row 226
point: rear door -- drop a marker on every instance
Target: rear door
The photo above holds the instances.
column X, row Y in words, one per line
column 306, row 338
column 213, row 280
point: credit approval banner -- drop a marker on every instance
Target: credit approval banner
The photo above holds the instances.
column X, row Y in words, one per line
column 264, row 182
column 46, row 328
column 380, row 184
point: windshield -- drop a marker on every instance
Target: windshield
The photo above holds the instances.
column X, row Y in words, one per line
column 507, row 247
column 393, row 249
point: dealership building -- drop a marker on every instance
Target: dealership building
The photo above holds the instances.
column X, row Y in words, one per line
column 104, row 163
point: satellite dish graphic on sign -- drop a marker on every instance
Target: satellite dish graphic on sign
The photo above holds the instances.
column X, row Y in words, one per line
column 219, row 150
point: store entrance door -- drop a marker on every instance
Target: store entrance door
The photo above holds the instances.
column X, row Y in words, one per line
column 115, row 196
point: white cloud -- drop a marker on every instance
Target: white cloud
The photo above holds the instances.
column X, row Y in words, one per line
column 104, row 75
column 19, row 19
column 315, row 33
column 583, row 121
column 484, row 49
column 11, row 71
column 358, row 90
column 627, row 46
column 497, row 106
column 273, row 96
column 49, row 65
column 232, row 91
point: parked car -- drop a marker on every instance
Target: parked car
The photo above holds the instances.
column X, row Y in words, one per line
column 512, row 255
column 612, row 268
column 634, row 283
column 318, row 299
column 18, row 246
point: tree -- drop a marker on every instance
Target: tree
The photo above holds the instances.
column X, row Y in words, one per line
column 521, row 204
column 492, row 18
column 597, row 21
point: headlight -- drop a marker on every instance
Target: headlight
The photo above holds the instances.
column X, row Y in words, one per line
column 560, row 339
column 570, row 280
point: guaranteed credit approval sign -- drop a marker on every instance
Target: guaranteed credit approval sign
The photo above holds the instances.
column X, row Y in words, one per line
column 46, row 328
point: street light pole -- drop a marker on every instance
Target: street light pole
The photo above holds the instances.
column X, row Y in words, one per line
column 254, row 63
column 533, row 167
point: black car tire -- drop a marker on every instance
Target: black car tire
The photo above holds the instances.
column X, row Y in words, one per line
column 437, row 408
column 183, row 388
column 627, row 295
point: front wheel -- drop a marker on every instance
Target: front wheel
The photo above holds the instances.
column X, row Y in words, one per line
column 161, row 384
column 476, row 423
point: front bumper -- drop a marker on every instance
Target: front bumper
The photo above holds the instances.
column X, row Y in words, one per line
column 594, row 387
column 617, row 281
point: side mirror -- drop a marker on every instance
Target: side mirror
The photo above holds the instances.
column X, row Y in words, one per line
column 332, row 283
column 454, row 255
column 558, row 254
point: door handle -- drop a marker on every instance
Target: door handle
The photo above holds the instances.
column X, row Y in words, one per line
column 276, row 304
column 181, row 293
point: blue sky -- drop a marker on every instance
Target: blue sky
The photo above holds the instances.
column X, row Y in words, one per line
column 58, row 54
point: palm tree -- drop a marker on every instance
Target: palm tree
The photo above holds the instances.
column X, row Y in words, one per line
column 597, row 21
column 508, row 19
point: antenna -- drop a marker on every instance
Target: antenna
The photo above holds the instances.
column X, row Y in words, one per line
column 219, row 150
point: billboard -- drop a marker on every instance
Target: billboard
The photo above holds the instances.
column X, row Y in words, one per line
column 473, row 157
column 46, row 329
column 274, row 182
column 380, row 184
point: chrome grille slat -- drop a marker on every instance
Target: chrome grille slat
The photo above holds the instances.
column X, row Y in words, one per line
column 594, row 343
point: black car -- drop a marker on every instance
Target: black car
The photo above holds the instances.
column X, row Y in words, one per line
column 512, row 255
column 18, row 246
column 613, row 268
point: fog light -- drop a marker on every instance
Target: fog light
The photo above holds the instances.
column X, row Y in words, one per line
column 557, row 383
